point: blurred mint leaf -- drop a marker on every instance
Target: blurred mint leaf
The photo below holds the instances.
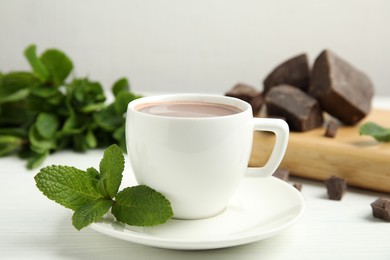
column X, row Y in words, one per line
column 68, row 186
column 378, row 132
column 58, row 65
column 41, row 103
column 141, row 206
column 90, row 139
column 120, row 137
column 122, row 100
column 45, row 91
column 36, row 64
column 90, row 212
column 38, row 143
column 47, row 125
column 80, row 143
column 15, row 115
column 35, row 159
column 86, row 96
column 73, row 125
column 108, row 119
column 9, row 144
column 16, row 86
column 54, row 112
column 120, row 85
column 14, row 131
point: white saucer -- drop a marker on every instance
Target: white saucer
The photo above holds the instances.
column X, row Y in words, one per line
column 262, row 207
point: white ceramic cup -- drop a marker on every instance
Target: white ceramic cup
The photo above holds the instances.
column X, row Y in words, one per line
column 198, row 163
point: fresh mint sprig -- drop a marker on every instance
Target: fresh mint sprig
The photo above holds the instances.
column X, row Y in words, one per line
column 91, row 194
column 46, row 110
column 378, row 132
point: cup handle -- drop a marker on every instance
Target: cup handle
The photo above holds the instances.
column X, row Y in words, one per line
column 281, row 130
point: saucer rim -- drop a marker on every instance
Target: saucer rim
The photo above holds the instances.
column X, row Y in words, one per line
column 207, row 243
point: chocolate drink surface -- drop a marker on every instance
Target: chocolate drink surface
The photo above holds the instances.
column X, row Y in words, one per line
column 188, row 109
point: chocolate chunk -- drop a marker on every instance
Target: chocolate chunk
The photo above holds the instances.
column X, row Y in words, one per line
column 298, row 186
column 294, row 71
column 301, row 111
column 381, row 209
column 342, row 90
column 249, row 94
column 331, row 129
column 282, row 174
column 256, row 103
column 336, row 187
column 243, row 92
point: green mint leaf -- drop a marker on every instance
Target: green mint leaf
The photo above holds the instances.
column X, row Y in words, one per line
column 36, row 64
column 93, row 173
column 38, row 143
column 73, row 125
column 88, row 92
column 108, row 119
column 47, row 125
column 45, row 91
column 9, row 144
column 68, row 186
column 120, row 137
column 111, row 169
column 55, row 113
column 15, row 86
column 85, row 193
column 90, row 212
column 49, row 104
column 120, row 85
column 141, row 206
column 122, row 100
column 380, row 133
column 15, row 115
column 85, row 96
column 36, row 159
column 14, row 131
column 90, row 139
column 58, row 65
column 79, row 143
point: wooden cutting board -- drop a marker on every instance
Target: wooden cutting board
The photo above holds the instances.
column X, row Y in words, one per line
column 364, row 162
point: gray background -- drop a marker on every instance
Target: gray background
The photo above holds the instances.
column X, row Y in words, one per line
column 196, row 45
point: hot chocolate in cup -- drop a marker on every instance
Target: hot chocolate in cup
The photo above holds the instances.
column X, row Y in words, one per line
column 195, row 148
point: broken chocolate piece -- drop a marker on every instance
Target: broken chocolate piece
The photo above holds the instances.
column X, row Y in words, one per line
column 298, row 186
column 282, row 174
column 249, row 94
column 294, row 71
column 336, row 187
column 342, row 90
column 243, row 92
column 256, row 103
column 381, row 209
column 301, row 111
column 331, row 129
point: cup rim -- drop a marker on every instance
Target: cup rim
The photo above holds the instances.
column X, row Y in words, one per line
column 211, row 98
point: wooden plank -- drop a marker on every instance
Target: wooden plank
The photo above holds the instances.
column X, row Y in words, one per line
column 364, row 162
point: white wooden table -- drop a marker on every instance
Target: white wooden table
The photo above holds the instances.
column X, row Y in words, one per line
column 33, row 227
